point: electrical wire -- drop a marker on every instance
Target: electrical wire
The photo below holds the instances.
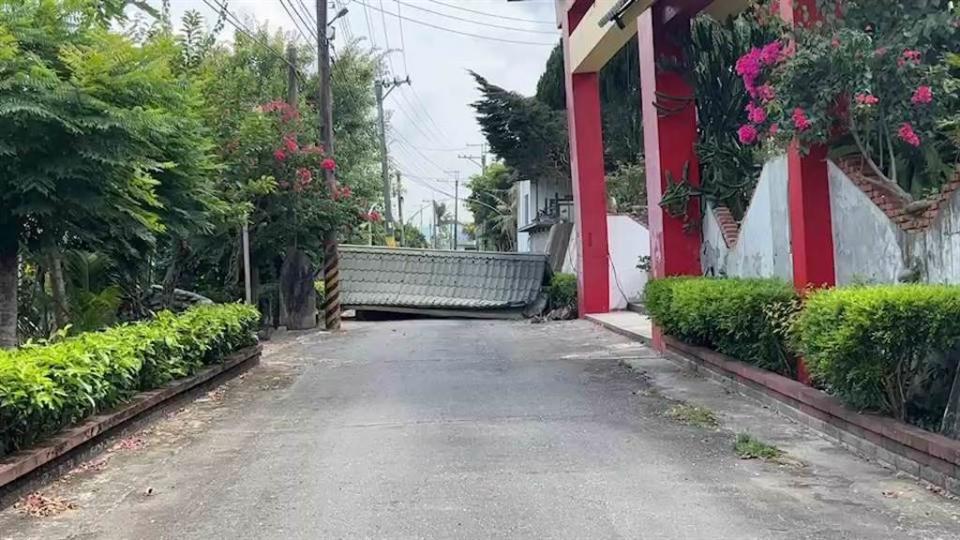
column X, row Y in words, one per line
column 294, row 15
column 403, row 46
column 234, row 21
column 471, row 21
column 494, row 15
column 468, row 34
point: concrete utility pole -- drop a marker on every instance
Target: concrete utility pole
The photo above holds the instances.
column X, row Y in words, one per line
column 456, row 205
column 381, row 90
column 331, row 253
column 403, row 239
column 482, row 157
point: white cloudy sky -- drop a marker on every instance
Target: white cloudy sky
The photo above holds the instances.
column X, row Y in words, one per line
column 432, row 120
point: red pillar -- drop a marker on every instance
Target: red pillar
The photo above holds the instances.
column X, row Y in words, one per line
column 669, row 142
column 808, row 185
column 589, row 188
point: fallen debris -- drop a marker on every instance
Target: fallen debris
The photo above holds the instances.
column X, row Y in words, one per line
column 130, row 443
column 39, row 505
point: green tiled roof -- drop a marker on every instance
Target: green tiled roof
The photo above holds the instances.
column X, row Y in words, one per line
column 430, row 279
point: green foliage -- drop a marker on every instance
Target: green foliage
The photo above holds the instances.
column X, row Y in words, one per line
column 733, row 316
column 888, row 349
column 729, row 169
column 749, row 447
column 45, row 387
column 528, row 135
column 490, row 194
column 694, row 415
column 627, row 186
column 562, row 291
column 856, row 78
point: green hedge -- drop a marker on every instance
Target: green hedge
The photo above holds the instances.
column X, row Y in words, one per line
column 744, row 318
column 46, row 387
column 890, row 348
column 562, row 291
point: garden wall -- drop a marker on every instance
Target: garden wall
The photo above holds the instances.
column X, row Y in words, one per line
column 874, row 241
column 628, row 240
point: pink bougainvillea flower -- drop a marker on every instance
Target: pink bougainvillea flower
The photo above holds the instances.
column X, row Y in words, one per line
column 835, row 43
column 909, row 56
column 770, row 53
column 766, row 93
column 800, row 119
column 908, row 135
column 290, row 143
column 748, row 66
column 774, row 129
column 756, row 114
column 789, row 51
column 922, row 96
column 747, row 134
column 329, row 164
column 346, row 192
column 304, row 176
column 279, row 154
column 866, row 99
column 374, row 216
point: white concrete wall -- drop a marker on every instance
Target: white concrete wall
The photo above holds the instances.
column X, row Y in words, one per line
column 526, row 212
column 763, row 249
column 936, row 251
column 628, row 240
column 867, row 245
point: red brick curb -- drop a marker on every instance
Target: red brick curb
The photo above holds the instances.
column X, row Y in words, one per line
column 923, row 454
column 19, row 464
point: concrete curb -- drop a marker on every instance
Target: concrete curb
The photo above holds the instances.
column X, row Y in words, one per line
column 19, row 464
column 919, row 453
column 620, row 330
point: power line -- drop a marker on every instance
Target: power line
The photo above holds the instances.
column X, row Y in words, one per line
column 403, row 45
column 494, row 15
column 234, row 21
column 471, row 21
column 468, row 34
column 292, row 12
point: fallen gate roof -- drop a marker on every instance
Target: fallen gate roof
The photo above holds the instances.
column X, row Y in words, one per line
column 432, row 279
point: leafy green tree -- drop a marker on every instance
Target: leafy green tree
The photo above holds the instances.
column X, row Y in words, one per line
column 489, row 193
column 527, row 134
column 81, row 109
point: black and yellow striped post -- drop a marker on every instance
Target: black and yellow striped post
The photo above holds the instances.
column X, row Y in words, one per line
column 331, row 254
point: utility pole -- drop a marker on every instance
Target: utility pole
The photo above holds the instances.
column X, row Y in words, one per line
column 403, row 239
column 482, row 157
column 456, row 205
column 381, row 90
column 331, row 253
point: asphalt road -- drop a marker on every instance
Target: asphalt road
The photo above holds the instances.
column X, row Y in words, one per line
column 450, row 429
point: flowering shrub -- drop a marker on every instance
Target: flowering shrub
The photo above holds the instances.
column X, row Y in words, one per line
column 878, row 87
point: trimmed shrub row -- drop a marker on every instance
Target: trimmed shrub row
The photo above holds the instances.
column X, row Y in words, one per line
column 743, row 318
column 46, row 387
column 890, row 349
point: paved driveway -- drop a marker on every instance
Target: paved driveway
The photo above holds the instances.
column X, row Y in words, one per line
column 464, row 429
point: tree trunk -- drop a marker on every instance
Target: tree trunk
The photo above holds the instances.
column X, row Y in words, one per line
column 178, row 252
column 950, row 427
column 58, row 285
column 8, row 285
column 296, row 287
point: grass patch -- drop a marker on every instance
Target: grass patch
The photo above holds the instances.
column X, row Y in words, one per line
column 748, row 447
column 694, row 415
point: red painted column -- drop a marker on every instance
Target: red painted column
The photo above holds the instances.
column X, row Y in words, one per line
column 589, row 188
column 811, row 229
column 669, row 142
column 808, row 185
